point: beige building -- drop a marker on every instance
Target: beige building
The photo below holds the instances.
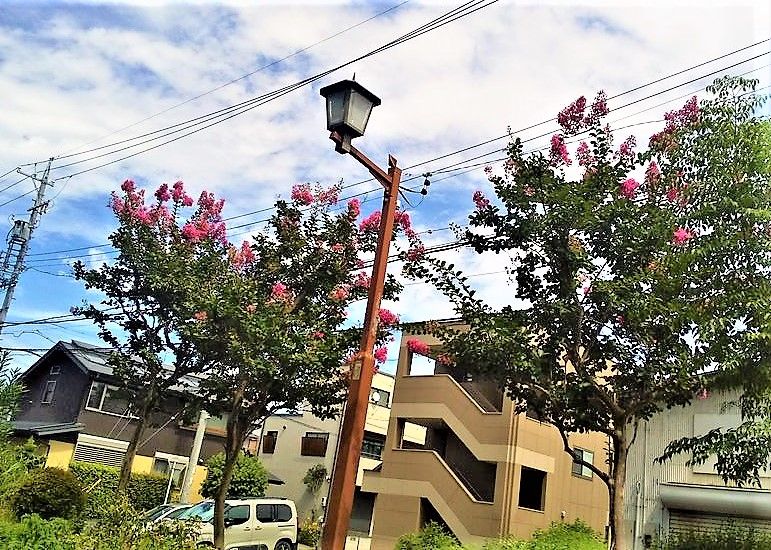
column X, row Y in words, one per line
column 676, row 496
column 484, row 471
column 292, row 444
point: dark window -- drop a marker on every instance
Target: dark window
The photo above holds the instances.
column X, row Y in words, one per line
column 283, row 512
column 314, row 444
column 580, row 469
column 265, row 513
column 269, row 442
column 56, row 369
column 532, row 488
column 48, row 392
column 379, row 397
column 108, row 399
column 236, row 515
column 95, row 395
column 372, row 446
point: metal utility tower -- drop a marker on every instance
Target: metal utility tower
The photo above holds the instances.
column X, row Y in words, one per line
column 18, row 242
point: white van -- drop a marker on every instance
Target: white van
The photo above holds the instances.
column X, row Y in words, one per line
column 250, row 523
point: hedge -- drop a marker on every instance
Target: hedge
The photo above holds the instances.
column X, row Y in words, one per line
column 100, row 482
column 49, row 492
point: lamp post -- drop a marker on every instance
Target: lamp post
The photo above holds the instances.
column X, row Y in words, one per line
column 349, row 105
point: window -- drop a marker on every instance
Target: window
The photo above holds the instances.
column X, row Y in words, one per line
column 56, row 369
column 283, row 512
column 170, row 466
column 379, row 397
column 532, row 488
column 269, row 442
column 314, row 444
column 372, row 446
column 273, row 513
column 265, row 513
column 580, row 469
column 107, row 399
column 48, row 392
column 236, row 515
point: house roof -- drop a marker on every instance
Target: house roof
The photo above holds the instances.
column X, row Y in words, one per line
column 43, row 429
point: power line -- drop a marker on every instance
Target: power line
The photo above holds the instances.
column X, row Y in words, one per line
column 18, row 197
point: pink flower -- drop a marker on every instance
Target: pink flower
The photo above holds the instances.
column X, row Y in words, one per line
column 620, row 319
column 244, row 256
column 528, row 191
column 682, row 235
column 598, row 109
column 328, row 196
column 117, row 204
column 251, row 308
column 402, row 219
column 381, row 354
column 444, row 360
column 371, row 222
column 191, row 233
column 337, row 248
column 200, row 316
column 278, row 291
column 301, row 193
column 673, row 194
column 162, row 193
column 584, row 154
column 354, row 208
column 416, row 252
column 388, row 318
column 629, row 188
column 571, row 117
column 339, row 294
column 480, row 200
column 128, row 186
column 703, row 394
column 418, row 346
column 652, row 175
column 626, row 150
column 187, row 200
column 318, row 335
column 362, row 280
column 559, row 151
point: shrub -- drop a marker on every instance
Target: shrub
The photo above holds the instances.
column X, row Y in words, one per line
column 51, row 493
column 559, row 536
column 314, row 477
column 309, row 532
column 432, row 537
column 250, row 478
column 35, row 533
column 730, row 536
column 100, row 482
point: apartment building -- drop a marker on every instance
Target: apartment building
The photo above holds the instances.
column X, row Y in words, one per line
column 483, row 470
column 294, row 443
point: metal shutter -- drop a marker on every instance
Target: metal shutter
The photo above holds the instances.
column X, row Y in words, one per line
column 683, row 521
column 98, row 455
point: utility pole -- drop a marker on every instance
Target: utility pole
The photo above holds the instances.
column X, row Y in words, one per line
column 18, row 241
column 195, row 452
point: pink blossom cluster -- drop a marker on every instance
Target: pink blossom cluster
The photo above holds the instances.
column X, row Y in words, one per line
column 480, row 201
column 132, row 207
column 251, row 308
column 584, row 155
column 626, row 150
column 682, row 235
column 337, row 248
column 371, row 222
column 418, row 346
column 403, row 220
column 279, row 292
column 179, row 196
column 362, row 280
column 381, row 355
column 243, row 257
column 207, row 222
column 598, row 109
column 354, row 208
column 445, row 360
column 340, row 293
column 687, row 115
column 652, row 175
column 302, row 194
column 318, row 335
column 559, row 151
column 628, row 188
column 328, row 196
column 200, row 316
column 574, row 117
column 416, row 252
column 387, row 317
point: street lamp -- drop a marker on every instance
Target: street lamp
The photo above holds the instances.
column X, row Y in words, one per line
column 349, row 105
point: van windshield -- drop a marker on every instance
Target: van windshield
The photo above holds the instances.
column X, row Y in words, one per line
column 203, row 511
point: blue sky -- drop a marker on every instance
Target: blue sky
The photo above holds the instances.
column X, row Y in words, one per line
column 73, row 75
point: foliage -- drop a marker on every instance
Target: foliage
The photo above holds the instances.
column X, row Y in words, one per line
column 629, row 289
column 28, row 454
column 309, row 532
column 314, row 477
column 50, row 493
column 250, row 478
column 731, row 536
column 432, row 537
column 559, row 536
column 100, row 482
column 15, row 460
column 35, row 533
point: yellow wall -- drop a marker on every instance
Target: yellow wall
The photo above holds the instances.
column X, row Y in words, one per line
column 195, row 489
column 59, row 455
column 142, row 464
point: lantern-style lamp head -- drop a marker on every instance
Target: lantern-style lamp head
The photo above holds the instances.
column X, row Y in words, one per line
column 349, row 105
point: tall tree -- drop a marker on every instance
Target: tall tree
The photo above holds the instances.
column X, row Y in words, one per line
column 637, row 292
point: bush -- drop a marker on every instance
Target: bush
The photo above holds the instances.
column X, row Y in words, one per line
column 559, row 536
column 50, row 493
column 250, row 478
column 432, row 537
column 35, row 533
column 731, row 536
column 309, row 532
column 100, row 482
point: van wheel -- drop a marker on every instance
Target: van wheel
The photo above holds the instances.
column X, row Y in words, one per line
column 283, row 545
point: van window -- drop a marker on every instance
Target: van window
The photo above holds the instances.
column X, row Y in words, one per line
column 236, row 515
column 283, row 512
column 265, row 513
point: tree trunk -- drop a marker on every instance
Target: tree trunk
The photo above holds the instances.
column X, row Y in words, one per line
column 231, row 457
column 616, row 493
column 131, row 451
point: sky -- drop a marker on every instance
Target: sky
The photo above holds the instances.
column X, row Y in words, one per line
column 75, row 76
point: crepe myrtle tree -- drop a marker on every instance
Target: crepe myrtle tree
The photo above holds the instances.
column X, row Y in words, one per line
column 147, row 295
column 273, row 322
column 638, row 292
